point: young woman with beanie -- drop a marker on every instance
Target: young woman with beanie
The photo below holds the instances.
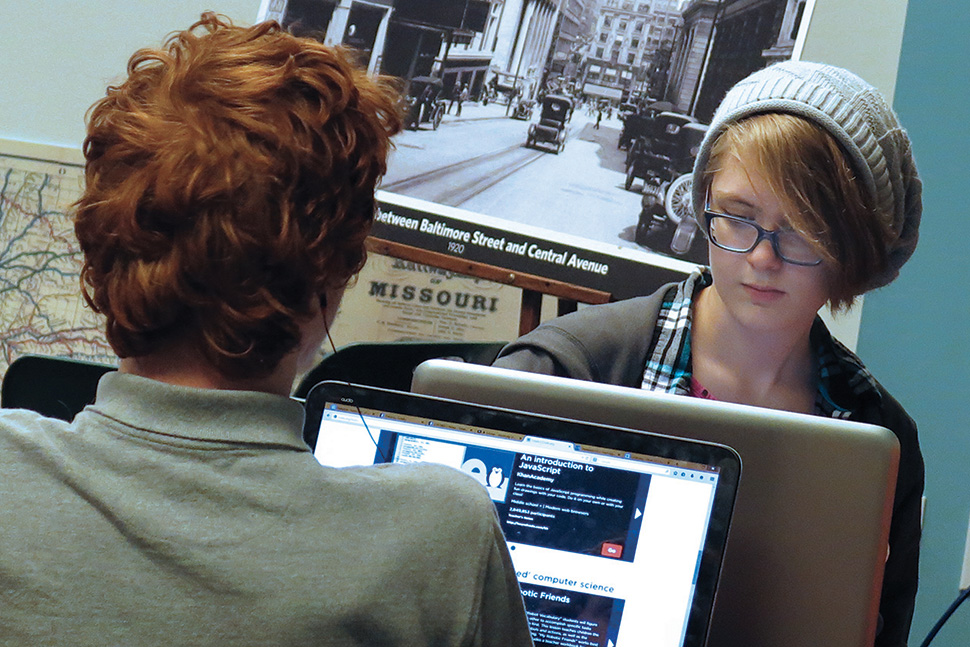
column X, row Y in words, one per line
column 807, row 190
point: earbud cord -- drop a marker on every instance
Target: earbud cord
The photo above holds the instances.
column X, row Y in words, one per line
column 360, row 413
column 946, row 616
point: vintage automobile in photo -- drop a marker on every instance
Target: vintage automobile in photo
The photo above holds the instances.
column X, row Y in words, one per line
column 523, row 109
column 625, row 109
column 636, row 122
column 665, row 149
column 666, row 223
column 424, row 103
column 556, row 112
column 664, row 158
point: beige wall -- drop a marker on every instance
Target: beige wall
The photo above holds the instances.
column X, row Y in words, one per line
column 872, row 51
column 58, row 55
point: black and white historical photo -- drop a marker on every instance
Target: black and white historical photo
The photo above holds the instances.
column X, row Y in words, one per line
column 578, row 117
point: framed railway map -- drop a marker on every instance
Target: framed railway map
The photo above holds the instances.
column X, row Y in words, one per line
column 42, row 311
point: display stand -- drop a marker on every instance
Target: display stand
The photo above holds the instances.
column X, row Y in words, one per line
column 532, row 286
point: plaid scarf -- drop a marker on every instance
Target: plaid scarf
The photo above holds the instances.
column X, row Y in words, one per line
column 843, row 381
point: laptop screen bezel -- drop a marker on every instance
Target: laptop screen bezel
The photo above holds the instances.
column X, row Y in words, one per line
column 723, row 458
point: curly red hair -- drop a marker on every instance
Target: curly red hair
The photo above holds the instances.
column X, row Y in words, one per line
column 230, row 184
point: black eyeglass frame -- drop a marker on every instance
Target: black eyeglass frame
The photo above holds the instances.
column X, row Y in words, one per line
column 771, row 235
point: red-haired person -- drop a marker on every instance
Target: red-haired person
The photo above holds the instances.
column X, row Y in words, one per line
column 807, row 190
column 230, row 187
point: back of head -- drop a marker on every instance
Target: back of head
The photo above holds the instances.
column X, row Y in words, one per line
column 230, row 184
column 864, row 127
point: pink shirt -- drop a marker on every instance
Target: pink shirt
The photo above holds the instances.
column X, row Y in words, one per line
column 697, row 390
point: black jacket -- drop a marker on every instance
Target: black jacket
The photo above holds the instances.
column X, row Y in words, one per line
column 611, row 343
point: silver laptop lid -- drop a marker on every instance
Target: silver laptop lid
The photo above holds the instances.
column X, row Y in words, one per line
column 809, row 536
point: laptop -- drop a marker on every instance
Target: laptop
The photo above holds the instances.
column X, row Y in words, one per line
column 616, row 536
column 804, row 562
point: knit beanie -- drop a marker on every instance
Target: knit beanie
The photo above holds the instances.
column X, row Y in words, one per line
column 863, row 124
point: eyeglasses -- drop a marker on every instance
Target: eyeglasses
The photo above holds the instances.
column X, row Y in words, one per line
column 736, row 234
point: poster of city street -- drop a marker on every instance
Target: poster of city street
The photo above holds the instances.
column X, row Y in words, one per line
column 554, row 137
column 480, row 162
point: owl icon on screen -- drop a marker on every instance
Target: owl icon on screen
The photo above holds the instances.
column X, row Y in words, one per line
column 490, row 468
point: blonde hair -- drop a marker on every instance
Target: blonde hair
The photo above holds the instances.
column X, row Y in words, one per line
column 805, row 168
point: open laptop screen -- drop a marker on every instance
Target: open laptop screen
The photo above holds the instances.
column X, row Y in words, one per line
column 616, row 536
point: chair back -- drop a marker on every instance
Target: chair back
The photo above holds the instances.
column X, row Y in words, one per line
column 391, row 364
column 56, row 387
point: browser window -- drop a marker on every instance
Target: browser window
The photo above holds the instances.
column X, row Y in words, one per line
column 606, row 544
